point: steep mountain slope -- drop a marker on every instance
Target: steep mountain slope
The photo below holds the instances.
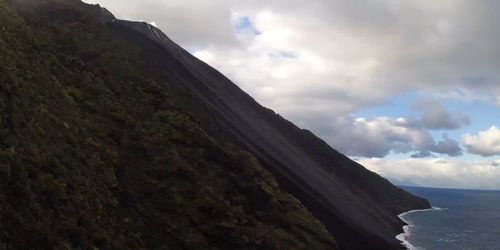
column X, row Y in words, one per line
column 97, row 152
column 113, row 136
column 356, row 205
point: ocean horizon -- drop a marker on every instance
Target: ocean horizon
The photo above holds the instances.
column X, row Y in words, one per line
column 460, row 219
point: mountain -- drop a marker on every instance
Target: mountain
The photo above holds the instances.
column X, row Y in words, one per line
column 404, row 183
column 356, row 205
column 112, row 136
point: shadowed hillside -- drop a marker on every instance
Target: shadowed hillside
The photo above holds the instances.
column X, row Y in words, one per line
column 96, row 153
column 359, row 207
column 112, row 136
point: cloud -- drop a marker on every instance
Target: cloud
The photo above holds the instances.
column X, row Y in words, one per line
column 350, row 55
column 448, row 146
column 378, row 137
column 486, row 143
column 317, row 62
column 422, row 154
column 435, row 116
column 438, row 172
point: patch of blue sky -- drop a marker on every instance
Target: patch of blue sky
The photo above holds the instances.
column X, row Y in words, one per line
column 245, row 24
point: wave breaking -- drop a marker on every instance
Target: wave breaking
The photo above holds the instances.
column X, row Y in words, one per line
column 403, row 237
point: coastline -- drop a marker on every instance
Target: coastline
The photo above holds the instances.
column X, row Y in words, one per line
column 402, row 237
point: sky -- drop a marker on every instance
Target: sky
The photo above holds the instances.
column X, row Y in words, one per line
column 410, row 89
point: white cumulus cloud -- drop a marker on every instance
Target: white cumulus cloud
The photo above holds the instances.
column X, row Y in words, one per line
column 485, row 143
column 438, row 172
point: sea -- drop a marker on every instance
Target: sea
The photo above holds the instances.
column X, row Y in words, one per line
column 459, row 220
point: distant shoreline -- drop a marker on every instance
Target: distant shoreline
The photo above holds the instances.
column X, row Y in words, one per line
column 402, row 237
column 452, row 188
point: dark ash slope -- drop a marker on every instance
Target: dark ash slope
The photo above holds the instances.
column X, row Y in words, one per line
column 357, row 206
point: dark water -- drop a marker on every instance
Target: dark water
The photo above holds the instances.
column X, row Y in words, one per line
column 469, row 219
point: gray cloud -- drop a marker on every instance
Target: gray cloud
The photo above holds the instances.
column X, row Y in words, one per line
column 448, row 146
column 380, row 136
column 381, row 48
column 435, row 116
column 347, row 55
column 422, row 154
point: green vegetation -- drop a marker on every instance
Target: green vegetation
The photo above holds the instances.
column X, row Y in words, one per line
column 96, row 152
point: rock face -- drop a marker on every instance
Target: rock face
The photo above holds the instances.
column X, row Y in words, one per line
column 113, row 136
column 359, row 207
